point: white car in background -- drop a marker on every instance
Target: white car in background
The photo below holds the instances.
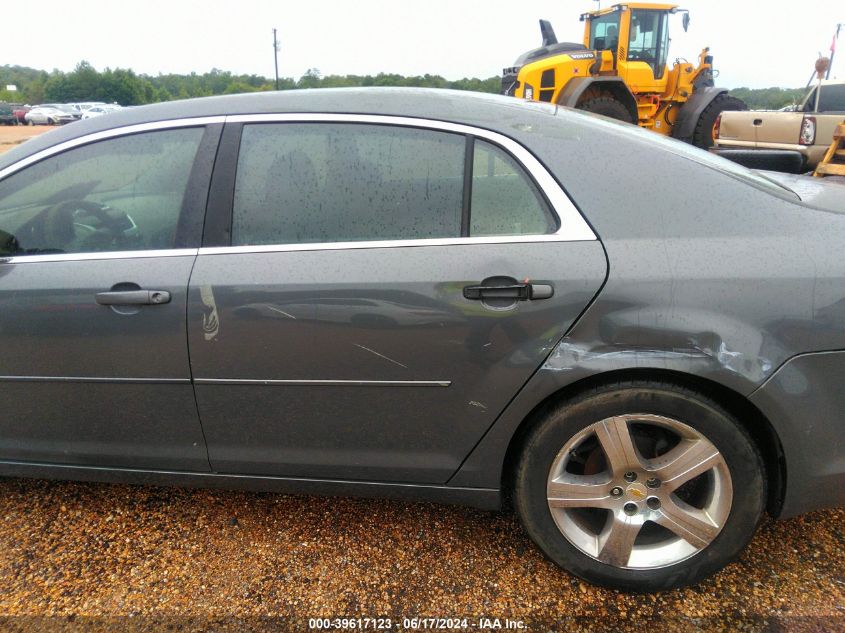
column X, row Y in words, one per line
column 51, row 114
column 99, row 110
column 86, row 105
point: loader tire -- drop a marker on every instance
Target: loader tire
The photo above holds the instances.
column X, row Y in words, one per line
column 608, row 107
column 703, row 135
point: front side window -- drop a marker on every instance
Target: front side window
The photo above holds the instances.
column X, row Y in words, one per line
column 604, row 32
column 648, row 40
column 118, row 194
column 340, row 182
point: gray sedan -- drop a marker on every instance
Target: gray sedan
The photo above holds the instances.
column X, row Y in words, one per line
column 429, row 295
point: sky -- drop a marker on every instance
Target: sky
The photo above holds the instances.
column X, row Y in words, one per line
column 756, row 43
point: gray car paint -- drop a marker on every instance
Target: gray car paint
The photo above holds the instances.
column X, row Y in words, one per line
column 709, row 276
column 715, row 279
column 808, row 389
column 112, row 389
column 274, row 305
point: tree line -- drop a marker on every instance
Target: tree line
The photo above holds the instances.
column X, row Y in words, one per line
column 124, row 86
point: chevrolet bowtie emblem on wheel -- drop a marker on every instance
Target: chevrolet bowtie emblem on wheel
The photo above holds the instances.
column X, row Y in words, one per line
column 636, row 491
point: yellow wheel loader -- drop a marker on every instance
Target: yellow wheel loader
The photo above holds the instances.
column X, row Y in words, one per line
column 621, row 71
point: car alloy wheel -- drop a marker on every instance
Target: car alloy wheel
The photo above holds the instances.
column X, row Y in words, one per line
column 639, row 485
column 623, row 508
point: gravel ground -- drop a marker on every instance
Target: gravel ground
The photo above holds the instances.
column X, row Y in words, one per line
column 11, row 135
column 89, row 555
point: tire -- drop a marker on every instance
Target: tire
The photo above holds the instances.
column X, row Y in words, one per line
column 50, row 121
column 702, row 136
column 570, row 527
column 607, row 106
column 30, row 122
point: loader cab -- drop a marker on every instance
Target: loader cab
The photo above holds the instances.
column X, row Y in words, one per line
column 638, row 37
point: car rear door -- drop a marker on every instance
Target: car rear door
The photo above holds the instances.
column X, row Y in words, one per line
column 382, row 290
column 96, row 248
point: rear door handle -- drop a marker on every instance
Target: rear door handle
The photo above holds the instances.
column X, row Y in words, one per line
column 516, row 292
column 133, row 297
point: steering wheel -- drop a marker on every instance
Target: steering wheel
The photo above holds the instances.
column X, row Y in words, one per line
column 72, row 207
column 64, row 225
column 641, row 56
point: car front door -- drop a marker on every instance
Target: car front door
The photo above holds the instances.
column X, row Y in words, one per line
column 380, row 289
column 96, row 248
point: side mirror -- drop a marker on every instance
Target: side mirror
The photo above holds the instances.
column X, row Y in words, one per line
column 685, row 21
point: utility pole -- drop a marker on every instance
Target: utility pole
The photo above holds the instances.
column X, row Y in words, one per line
column 276, row 57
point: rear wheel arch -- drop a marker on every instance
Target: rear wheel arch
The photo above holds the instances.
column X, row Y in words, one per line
column 752, row 419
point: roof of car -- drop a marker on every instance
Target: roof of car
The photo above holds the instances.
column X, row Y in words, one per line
column 483, row 110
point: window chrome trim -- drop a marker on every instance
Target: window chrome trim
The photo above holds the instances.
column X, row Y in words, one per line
column 406, row 243
column 107, row 134
column 573, row 227
column 79, row 257
column 322, row 383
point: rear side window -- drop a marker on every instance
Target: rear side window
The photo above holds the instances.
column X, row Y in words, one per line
column 300, row 183
column 832, row 98
column 118, row 194
column 340, row 182
column 504, row 200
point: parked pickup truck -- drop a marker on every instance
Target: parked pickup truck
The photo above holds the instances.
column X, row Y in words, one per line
column 779, row 140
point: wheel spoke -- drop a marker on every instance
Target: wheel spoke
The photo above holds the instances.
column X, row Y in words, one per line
column 689, row 459
column 578, row 492
column 616, row 541
column 691, row 524
column 618, row 445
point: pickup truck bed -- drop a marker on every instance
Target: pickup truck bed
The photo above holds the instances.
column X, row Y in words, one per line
column 779, row 140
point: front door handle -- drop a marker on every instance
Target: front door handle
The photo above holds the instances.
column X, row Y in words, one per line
column 516, row 292
column 133, row 297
